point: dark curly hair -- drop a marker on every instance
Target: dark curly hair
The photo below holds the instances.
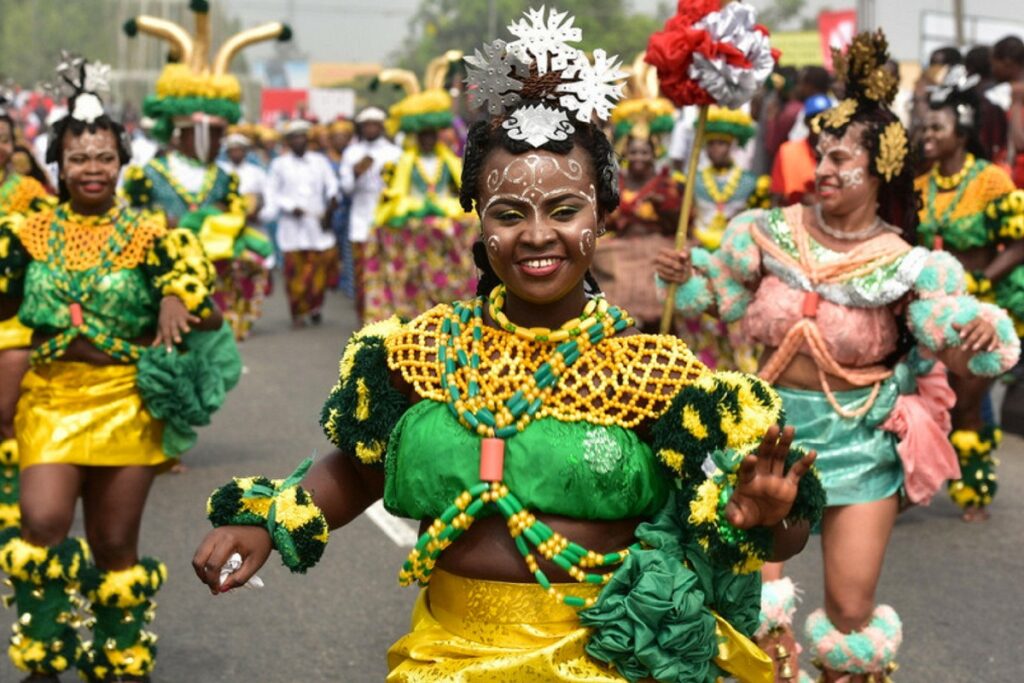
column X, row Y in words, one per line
column 55, row 148
column 488, row 135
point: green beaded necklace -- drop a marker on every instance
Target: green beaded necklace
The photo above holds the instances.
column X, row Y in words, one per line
column 598, row 321
column 192, row 201
column 76, row 288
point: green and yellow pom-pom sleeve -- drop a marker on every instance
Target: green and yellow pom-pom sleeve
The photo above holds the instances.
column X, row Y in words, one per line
column 702, row 439
column 363, row 407
column 14, row 258
column 296, row 525
column 177, row 266
column 1005, row 217
column 137, row 188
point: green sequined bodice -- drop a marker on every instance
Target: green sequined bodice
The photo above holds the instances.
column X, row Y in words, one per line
column 122, row 303
column 575, row 469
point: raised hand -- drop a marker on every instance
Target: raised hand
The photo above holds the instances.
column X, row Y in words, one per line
column 764, row 491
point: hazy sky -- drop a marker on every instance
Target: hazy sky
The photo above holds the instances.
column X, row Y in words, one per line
column 360, row 30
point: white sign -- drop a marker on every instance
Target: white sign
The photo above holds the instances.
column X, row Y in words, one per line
column 327, row 104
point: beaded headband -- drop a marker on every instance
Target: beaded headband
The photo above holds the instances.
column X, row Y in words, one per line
column 538, row 85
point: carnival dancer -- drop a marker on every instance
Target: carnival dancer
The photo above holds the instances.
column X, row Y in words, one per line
column 121, row 373
column 457, row 414
column 17, row 192
column 193, row 106
column 361, row 177
column 649, row 199
column 852, row 317
column 420, row 250
column 970, row 208
column 302, row 191
column 253, row 254
column 339, row 137
column 723, row 189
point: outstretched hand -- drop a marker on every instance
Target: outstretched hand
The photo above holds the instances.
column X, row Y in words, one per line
column 764, row 491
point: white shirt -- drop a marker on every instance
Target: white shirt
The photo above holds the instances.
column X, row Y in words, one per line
column 365, row 190
column 251, row 178
column 308, row 183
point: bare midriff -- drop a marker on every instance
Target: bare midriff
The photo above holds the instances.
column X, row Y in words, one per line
column 487, row 551
column 802, row 373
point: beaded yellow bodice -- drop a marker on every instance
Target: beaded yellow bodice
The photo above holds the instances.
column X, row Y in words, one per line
column 624, row 381
column 86, row 237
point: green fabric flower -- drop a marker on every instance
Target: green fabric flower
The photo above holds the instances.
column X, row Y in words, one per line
column 650, row 622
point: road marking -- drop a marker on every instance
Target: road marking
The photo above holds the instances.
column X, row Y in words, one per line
column 395, row 529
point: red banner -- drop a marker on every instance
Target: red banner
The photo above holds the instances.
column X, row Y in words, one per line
column 837, row 30
column 282, row 103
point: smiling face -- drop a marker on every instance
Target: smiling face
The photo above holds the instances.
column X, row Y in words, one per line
column 843, row 179
column 940, row 139
column 89, row 168
column 540, row 221
column 640, row 157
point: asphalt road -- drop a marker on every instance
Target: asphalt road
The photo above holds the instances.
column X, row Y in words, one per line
column 958, row 587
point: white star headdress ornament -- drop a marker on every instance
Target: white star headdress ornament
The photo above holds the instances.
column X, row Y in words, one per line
column 498, row 75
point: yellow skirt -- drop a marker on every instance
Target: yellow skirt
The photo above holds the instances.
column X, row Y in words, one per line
column 470, row 630
column 84, row 414
column 14, row 335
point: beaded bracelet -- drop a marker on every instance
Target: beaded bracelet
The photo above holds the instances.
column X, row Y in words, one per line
column 297, row 527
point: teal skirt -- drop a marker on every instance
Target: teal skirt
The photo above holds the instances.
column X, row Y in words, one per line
column 857, row 460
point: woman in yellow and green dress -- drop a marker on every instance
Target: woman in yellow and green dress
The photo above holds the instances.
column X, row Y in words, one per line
column 195, row 101
column 120, row 374
column 17, row 192
column 971, row 209
column 419, row 251
column 564, row 467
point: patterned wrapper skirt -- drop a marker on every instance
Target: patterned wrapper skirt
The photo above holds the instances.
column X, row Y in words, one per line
column 624, row 267
column 14, row 335
column 84, row 414
column 411, row 269
column 471, row 630
column 857, row 460
column 242, row 285
column 307, row 276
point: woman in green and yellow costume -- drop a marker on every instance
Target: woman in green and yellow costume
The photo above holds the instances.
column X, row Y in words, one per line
column 193, row 106
column 111, row 297
column 564, row 467
column 971, row 209
column 17, row 192
column 419, row 252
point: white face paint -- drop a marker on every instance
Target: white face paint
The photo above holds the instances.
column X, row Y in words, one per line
column 494, row 244
column 537, row 176
column 587, row 242
column 830, row 143
column 852, row 178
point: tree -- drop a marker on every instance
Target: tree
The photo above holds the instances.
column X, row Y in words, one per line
column 441, row 25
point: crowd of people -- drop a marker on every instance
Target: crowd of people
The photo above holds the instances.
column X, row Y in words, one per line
column 819, row 356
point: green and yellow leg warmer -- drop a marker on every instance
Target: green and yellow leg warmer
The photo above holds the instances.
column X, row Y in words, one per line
column 45, row 582
column 121, row 605
column 977, row 484
column 10, row 514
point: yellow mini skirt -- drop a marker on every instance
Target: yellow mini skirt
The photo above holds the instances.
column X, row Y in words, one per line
column 84, row 414
column 470, row 630
column 14, row 335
